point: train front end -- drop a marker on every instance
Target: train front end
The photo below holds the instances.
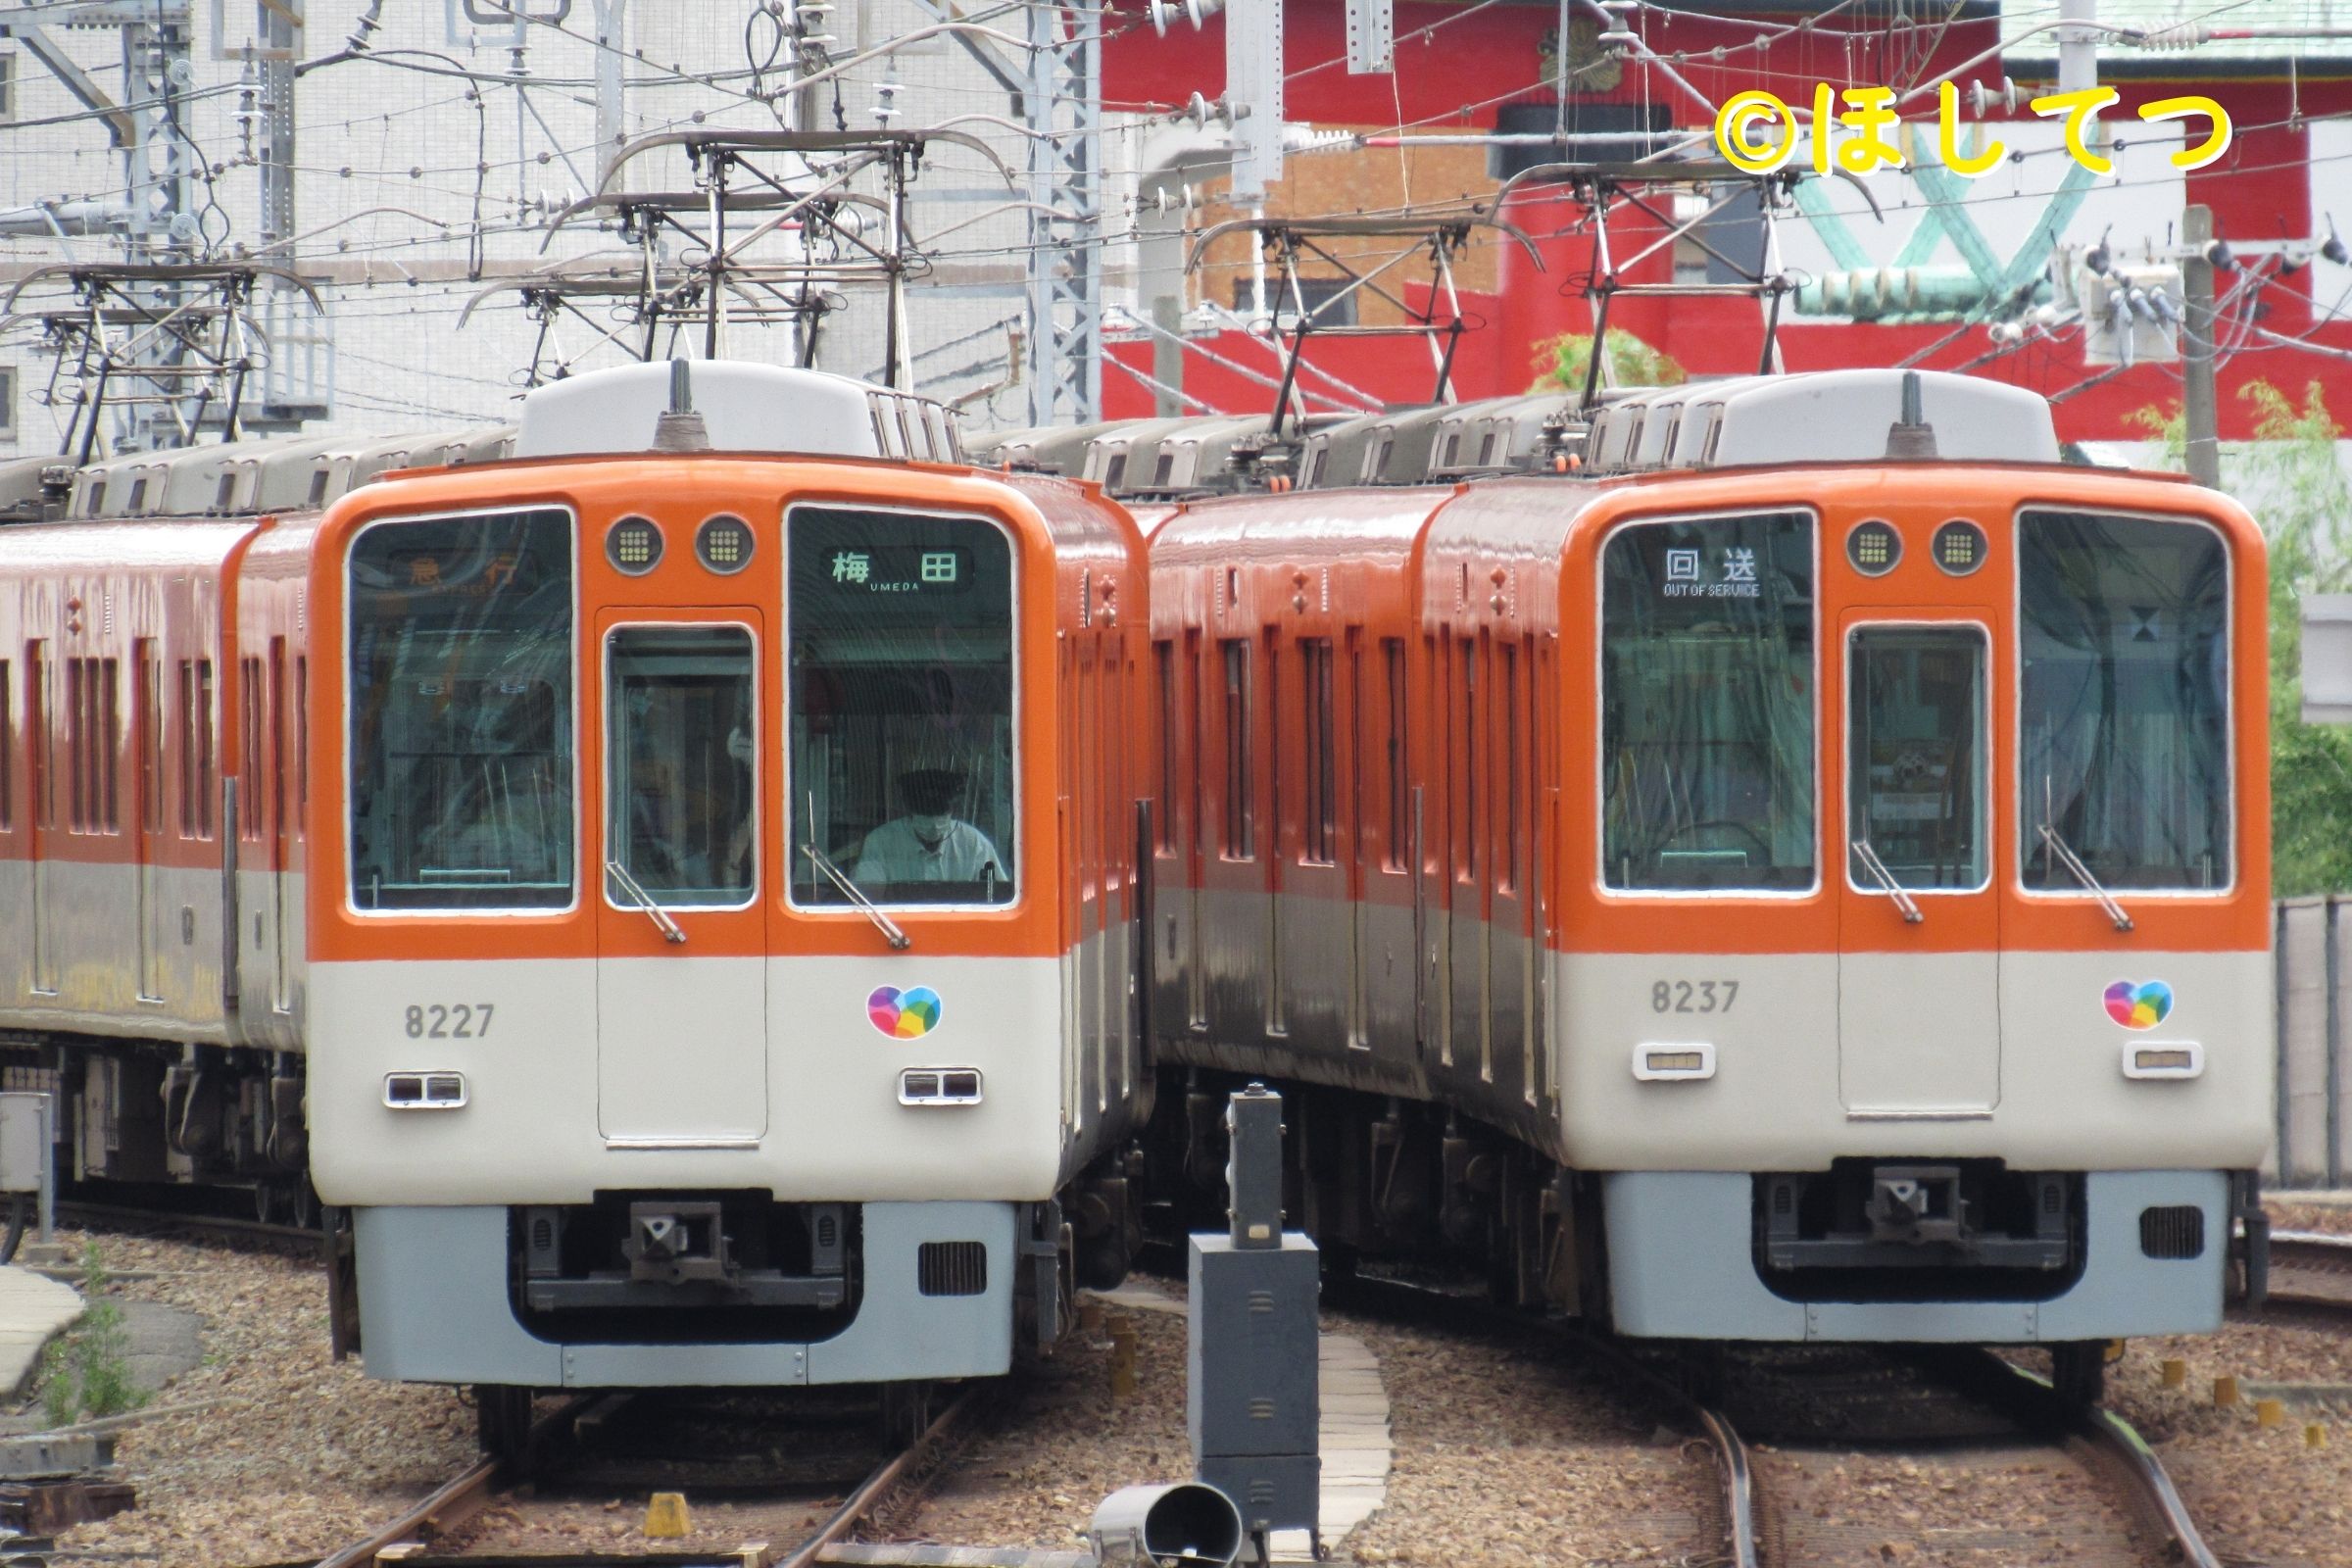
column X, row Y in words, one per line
column 1915, row 982
column 692, row 936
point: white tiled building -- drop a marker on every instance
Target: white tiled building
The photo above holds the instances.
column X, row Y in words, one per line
column 417, row 186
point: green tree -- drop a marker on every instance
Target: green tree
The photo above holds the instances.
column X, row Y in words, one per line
column 1561, row 362
column 2288, row 477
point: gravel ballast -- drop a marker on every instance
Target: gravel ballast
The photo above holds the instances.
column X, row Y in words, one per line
column 298, row 1455
column 1509, row 1449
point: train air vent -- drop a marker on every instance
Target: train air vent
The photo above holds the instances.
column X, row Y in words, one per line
column 952, row 1268
column 2174, row 1232
column 1164, row 472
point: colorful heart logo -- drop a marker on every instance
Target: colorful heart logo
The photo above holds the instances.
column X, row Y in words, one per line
column 908, row 1014
column 2143, row 1006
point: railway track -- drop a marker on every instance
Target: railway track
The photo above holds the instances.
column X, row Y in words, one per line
column 1861, row 1456
column 1831, row 1455
column 2312, row 1270
column 496, row 1513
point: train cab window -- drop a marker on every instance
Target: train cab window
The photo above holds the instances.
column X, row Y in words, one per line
column 902, row 763
column 2124, row 701
column 460, row 712
column 1707, row 712
column 678, row 744
column 1915, row 755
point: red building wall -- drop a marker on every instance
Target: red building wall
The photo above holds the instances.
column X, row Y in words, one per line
column 1457, row 66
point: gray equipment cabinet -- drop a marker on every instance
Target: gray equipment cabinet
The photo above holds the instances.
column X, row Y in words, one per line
column 1252, row 1405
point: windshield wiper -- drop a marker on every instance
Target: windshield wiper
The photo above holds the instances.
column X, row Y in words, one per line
column 2082, row 873
column 1885, row 879
column 644, row 901
column 856, row 895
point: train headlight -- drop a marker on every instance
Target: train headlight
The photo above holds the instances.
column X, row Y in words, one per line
column 2175, row 1058
column 938, row 1085
column 424, row 1091
column 1673, row 1064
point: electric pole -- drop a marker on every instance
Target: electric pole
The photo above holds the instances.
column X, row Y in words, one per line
column 2199, row 409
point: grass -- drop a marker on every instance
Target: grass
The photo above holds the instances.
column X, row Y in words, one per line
column 86, row 1371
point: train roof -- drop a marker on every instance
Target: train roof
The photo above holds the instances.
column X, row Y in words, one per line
column 1822, row 417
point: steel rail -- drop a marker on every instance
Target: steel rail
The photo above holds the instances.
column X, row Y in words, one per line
column 86, row 1212
column 2127, row 1452
column 1727, row 1447
column 451, row 1504
column 2312, row 1253
column 857, row 1504
column 1739, row 1484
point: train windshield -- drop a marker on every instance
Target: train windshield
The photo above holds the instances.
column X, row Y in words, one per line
column 461, row 730
column 1707, row 685
column 901, row 723
column 2123, row 743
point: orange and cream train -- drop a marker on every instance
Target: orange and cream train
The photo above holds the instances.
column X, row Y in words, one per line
column 686, row 867
column 1792, row 866
column 1799, row 874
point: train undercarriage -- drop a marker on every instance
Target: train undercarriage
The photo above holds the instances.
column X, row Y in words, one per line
column 1894, row 1248
column 215, row 1127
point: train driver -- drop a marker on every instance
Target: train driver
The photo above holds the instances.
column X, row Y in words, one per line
column 928, row 843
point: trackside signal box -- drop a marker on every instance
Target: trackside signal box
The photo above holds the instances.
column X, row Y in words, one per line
column 1252, row 1403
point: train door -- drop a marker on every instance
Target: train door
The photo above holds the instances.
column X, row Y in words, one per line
column 1919, row 966
column 1510, row 968
column 681, row 984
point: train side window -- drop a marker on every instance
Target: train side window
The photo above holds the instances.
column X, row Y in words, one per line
column 1466, row 856
column 1163, row 665
column 1707, row 650
column 1321, row 805
column 78, row 812
column 1238, row 816
column 8, row 751
column 900, row 748
column 1275, row 749
column 302, row 745
column 190, row 720
column 2124, row 733
column 252, row 819
column 147, row 714
column 208, row 765
column 1506, row 876
column 109, row 740
column 460, row 664
column 40, row 775
column 1392, row 659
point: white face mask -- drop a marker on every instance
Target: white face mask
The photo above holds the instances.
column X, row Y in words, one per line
column 931, row 829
